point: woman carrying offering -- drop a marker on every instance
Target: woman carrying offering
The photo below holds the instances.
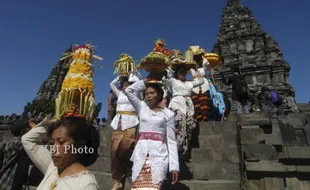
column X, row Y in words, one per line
column 123, row 137
column 182, row 104
column 64, row 167
column 201, row 94
column 155, row 152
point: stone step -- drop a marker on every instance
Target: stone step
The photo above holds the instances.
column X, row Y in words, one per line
column 217, row 127
column 255, row 118
column 104, row 151
column 102, row 164
column 203, row 185
column 105, row 182
column 218, row 141
column 215, row 171
column 275, row 167
column 224, row 154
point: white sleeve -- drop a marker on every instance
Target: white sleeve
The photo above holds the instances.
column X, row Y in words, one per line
column 114, row 89
column 133, row 78
column 172, row 145
column 39, row 155
column 132, row 93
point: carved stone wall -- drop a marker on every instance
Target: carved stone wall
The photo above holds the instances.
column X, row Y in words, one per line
column 242, row 41
column 52, row 85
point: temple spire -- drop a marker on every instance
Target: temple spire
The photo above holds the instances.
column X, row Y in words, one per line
column 242, row 41
column 233, row 2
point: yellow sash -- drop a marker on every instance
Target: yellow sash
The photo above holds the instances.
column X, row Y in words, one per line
column 126, row 113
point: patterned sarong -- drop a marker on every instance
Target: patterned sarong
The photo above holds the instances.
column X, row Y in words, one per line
column 122, row 146
column 184, row 127
column 144, row 180
column 201, row 103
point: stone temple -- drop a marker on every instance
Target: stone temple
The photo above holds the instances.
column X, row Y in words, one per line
column 242, row 41
column 52, row 85
column 247, row 152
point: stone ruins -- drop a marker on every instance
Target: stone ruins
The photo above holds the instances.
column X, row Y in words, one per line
column 242, row 41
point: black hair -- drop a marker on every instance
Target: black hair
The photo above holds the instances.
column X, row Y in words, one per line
column 198, row 59
column 83, row 135
column 158, row 89
column 123, row 80
column 235, row 69
column 178, row 67
column 19, row 127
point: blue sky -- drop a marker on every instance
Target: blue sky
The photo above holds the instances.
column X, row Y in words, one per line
column 35, row 33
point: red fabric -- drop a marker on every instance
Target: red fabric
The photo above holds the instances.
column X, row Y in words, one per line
column 151, row 136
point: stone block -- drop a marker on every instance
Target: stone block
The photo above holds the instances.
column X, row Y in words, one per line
column 307, row 133
column 255, row 152
column 2, row 134
column 267, row 166
column 275, row 138
column 224, row 154
column 298, row 152
column 274, row 183
column 255, row 185
column 4, row 127
column 255, row 118
column 293, row 184
column 203, row 185
column 213, row 128
column 101, row 165
column 295, row 121
column 305, row 185
column 301, row 139
column 304, row 107
column 250, row 127
column 250, row 136
column 215, row 171
column 104, row 181
column 104, row 151
column 209, row 141
column 303, row 169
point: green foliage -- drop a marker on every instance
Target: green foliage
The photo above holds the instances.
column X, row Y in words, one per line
column 97, row 110
column 46, row 106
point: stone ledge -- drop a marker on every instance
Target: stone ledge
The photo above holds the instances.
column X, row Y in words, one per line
column 251, row 136
column 104, row 181
column 215, row 171
column 256, row 118
column 102, row 165
column 204, row 185
column 297, row 152
column 275, row 167
column 225, row 154
column 256, row 152
column 213, row 128
column 104, row 151
column 219, row 141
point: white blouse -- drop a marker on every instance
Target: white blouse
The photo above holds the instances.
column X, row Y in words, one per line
column 123, row 104
column 163, row 155
column 202, row 72
column 42, row 159
column 181, row 93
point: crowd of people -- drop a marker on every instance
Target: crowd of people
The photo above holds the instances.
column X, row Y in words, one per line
column 153, row 127
column 154, row 123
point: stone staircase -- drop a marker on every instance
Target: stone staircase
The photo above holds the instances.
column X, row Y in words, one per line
column 248, row 152
column 215, row 164
column 275, row 152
